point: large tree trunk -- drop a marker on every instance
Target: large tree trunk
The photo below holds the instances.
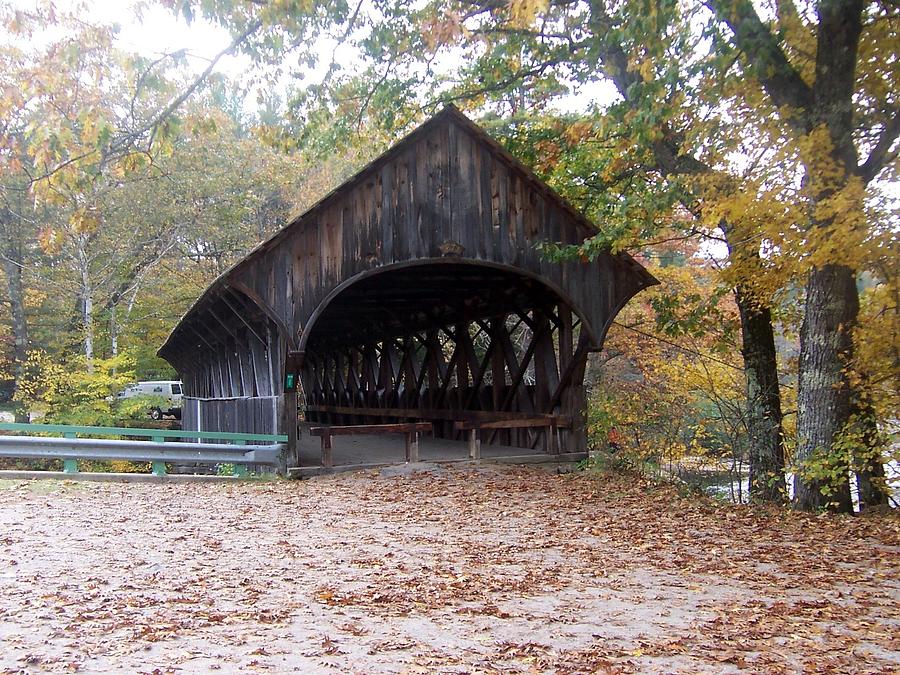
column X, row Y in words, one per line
column 764, row 416
column 821, row 479
column 767, row 482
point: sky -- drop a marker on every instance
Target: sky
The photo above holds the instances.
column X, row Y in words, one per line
column 160, row 31
column 151, row 30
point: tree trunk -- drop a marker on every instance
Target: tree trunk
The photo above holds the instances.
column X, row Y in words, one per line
column 764, row 417
column 12, row 268
column 767, row 482
column 87, row 306
column 821, row 478
column 113, row 330
column 868, row 460
column 87, row 317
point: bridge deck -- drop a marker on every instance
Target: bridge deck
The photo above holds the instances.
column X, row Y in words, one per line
column 352, row 451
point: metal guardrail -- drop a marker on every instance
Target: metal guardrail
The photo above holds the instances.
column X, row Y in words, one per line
column 159, row 434
column 157, row 451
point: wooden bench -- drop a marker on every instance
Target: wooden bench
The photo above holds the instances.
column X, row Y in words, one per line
column 410, row 429
column 550, row 422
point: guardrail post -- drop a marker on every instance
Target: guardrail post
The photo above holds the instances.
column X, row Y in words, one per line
column 158, row 468
column 240, row 470
column 70, row 465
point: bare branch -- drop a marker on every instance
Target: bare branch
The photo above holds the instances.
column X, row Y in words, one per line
column 882, row 154
column 779, row 78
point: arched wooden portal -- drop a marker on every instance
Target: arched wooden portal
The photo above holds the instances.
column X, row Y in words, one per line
column 438, row 338
column 415, row 291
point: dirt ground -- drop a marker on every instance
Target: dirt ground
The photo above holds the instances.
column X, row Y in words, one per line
column 484, row 570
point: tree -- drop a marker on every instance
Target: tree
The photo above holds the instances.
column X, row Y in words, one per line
column 825, row 71
column 78, row 118
column 519, row 55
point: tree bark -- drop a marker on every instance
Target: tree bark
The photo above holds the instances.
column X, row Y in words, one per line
column 113, row 331
column 87, row 305
column 824, row 395
column 15, row 288
column 764, row 420
column 868, row 461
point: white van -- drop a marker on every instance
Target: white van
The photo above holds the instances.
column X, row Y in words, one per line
column 169, row 389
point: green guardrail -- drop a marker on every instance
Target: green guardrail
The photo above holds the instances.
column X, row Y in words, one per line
column 155, row 435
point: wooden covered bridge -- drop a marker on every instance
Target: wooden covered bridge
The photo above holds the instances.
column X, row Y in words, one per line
column 415, row 291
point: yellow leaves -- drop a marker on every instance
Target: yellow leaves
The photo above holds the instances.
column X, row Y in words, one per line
column 522, row 13
column 876, row 338
column 579, row 131
column 42, row 378
column 85, row 220
column 823, row 173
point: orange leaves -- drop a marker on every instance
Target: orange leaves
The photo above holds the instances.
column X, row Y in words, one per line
column 51, row 240
column 443, row 30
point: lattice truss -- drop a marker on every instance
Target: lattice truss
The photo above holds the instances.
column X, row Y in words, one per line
column 523, row 361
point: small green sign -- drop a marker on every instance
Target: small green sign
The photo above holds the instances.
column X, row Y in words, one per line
column 290, row 382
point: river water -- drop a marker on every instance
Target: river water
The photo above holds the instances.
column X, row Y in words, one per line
column 732, row 486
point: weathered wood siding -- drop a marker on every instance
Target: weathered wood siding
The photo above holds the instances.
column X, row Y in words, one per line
column 256, row 415
column 445, row 185
column 446, row 198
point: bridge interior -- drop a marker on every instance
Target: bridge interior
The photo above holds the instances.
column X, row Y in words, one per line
column 380, row 450
column 446, row 342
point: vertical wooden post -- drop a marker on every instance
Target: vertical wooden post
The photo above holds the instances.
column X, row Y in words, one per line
column 462, row 364
column 552, row 439
column 327, row 457
column 474, row 444
column 290, row 458
column 412, row 446
column 498, row 375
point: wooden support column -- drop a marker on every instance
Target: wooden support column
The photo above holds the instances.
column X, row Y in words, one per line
column 498, row 372
column 412, row 446
column 288, row 423
column 474, row 444
column 327, row 456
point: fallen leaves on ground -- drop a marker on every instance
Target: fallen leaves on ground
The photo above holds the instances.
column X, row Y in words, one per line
column 484, row 570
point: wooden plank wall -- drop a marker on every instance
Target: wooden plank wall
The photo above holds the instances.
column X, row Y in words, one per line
column 253, row 415
column 445, row 185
